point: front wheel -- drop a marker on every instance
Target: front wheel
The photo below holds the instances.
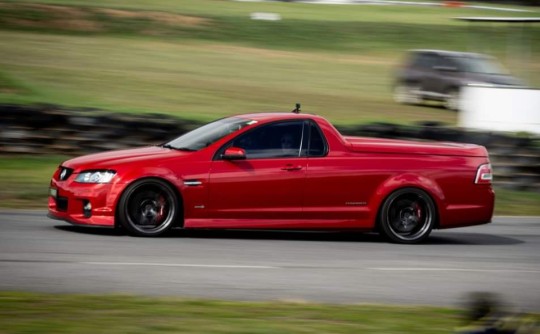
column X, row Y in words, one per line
column 148, row 208
column 407, row 216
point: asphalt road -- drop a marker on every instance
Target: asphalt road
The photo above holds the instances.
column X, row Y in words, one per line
column 40, row 254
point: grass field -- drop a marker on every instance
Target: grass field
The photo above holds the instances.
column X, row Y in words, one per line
column 42, row 313
column 47, row 313
column 204, row 59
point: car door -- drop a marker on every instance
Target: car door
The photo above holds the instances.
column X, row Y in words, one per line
column 430, row 75
column 445, row 75
column 266, row 188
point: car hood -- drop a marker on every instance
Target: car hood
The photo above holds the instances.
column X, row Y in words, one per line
column 393, row 146
column 111, row 159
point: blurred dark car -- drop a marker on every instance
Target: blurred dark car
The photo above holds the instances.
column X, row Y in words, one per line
column 438, row 75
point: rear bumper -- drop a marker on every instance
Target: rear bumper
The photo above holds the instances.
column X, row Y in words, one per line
column 477, row 211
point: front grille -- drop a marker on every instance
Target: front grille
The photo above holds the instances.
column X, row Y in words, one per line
column 61, row 203
column 65, row 173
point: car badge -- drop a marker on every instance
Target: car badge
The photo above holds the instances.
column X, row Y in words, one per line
column 63, row 174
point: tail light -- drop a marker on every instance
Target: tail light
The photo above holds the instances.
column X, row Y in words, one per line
column 484, row 174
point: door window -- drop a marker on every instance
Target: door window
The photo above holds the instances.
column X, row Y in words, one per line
column 276, row 140
column 317, row 145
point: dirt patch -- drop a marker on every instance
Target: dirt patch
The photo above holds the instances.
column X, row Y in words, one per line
column 161, row 17
column 58, row 10
column 69, row 24
column 8, row 90
column 56, row 17
column 86, row 19
column 47, row 9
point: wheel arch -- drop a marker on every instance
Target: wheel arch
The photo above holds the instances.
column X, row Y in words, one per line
column 430, row 187
column 171, row 184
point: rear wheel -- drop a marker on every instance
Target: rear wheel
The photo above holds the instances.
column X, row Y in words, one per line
column 407, row 93
column 148, row 208
column 452, row 100
column 407, row 216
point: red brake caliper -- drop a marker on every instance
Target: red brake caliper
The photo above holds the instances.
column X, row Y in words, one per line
column 162, row 203
column 418, row 211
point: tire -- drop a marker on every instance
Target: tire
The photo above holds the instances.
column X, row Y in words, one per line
column 452, row 100
column 407, row 216
column 407, row 94
column 148, row 208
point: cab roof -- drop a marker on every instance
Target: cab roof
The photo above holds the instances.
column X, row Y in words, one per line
column 450, row 53
column 276, row 116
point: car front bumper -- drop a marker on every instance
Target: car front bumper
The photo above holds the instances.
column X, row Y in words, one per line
column 82, row 204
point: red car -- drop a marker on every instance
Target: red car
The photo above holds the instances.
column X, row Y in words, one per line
column 278, row 171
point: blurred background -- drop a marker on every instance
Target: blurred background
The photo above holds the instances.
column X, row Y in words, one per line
column 78, row 77
column 81, row 76
column 209, row 58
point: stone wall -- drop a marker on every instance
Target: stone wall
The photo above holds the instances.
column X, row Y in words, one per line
column 48, row 129
column 54, row 130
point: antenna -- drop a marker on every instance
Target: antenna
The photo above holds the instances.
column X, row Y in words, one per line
column 297, row 109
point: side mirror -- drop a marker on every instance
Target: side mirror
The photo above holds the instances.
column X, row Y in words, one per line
column 234, row 153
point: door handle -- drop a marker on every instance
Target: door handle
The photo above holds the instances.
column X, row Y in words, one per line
column 291, row 168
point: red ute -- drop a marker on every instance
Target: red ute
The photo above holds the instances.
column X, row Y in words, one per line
column 278, row 171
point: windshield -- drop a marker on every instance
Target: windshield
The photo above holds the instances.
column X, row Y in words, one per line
column 479, row 65
column 208, row 134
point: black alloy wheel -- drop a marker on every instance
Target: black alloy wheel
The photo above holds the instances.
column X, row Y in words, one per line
column 148, row 208
column 407, row 216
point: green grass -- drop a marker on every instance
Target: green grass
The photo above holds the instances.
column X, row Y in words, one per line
column 337, row 13
column 48, row 313
column 513, row 202
column 337, row 60
column 25, row 182
column 199, row 80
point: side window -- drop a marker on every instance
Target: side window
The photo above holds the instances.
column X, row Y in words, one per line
column 317, row 144
column 423, row 61
column 417, row 59
column 276, row 140
column 431, row 60
column 454, row 65
column 440, row 61
column 457, row 64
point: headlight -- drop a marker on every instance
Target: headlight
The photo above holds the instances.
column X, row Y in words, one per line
column 95, row 176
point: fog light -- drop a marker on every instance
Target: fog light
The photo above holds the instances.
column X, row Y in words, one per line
column 87, row 209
